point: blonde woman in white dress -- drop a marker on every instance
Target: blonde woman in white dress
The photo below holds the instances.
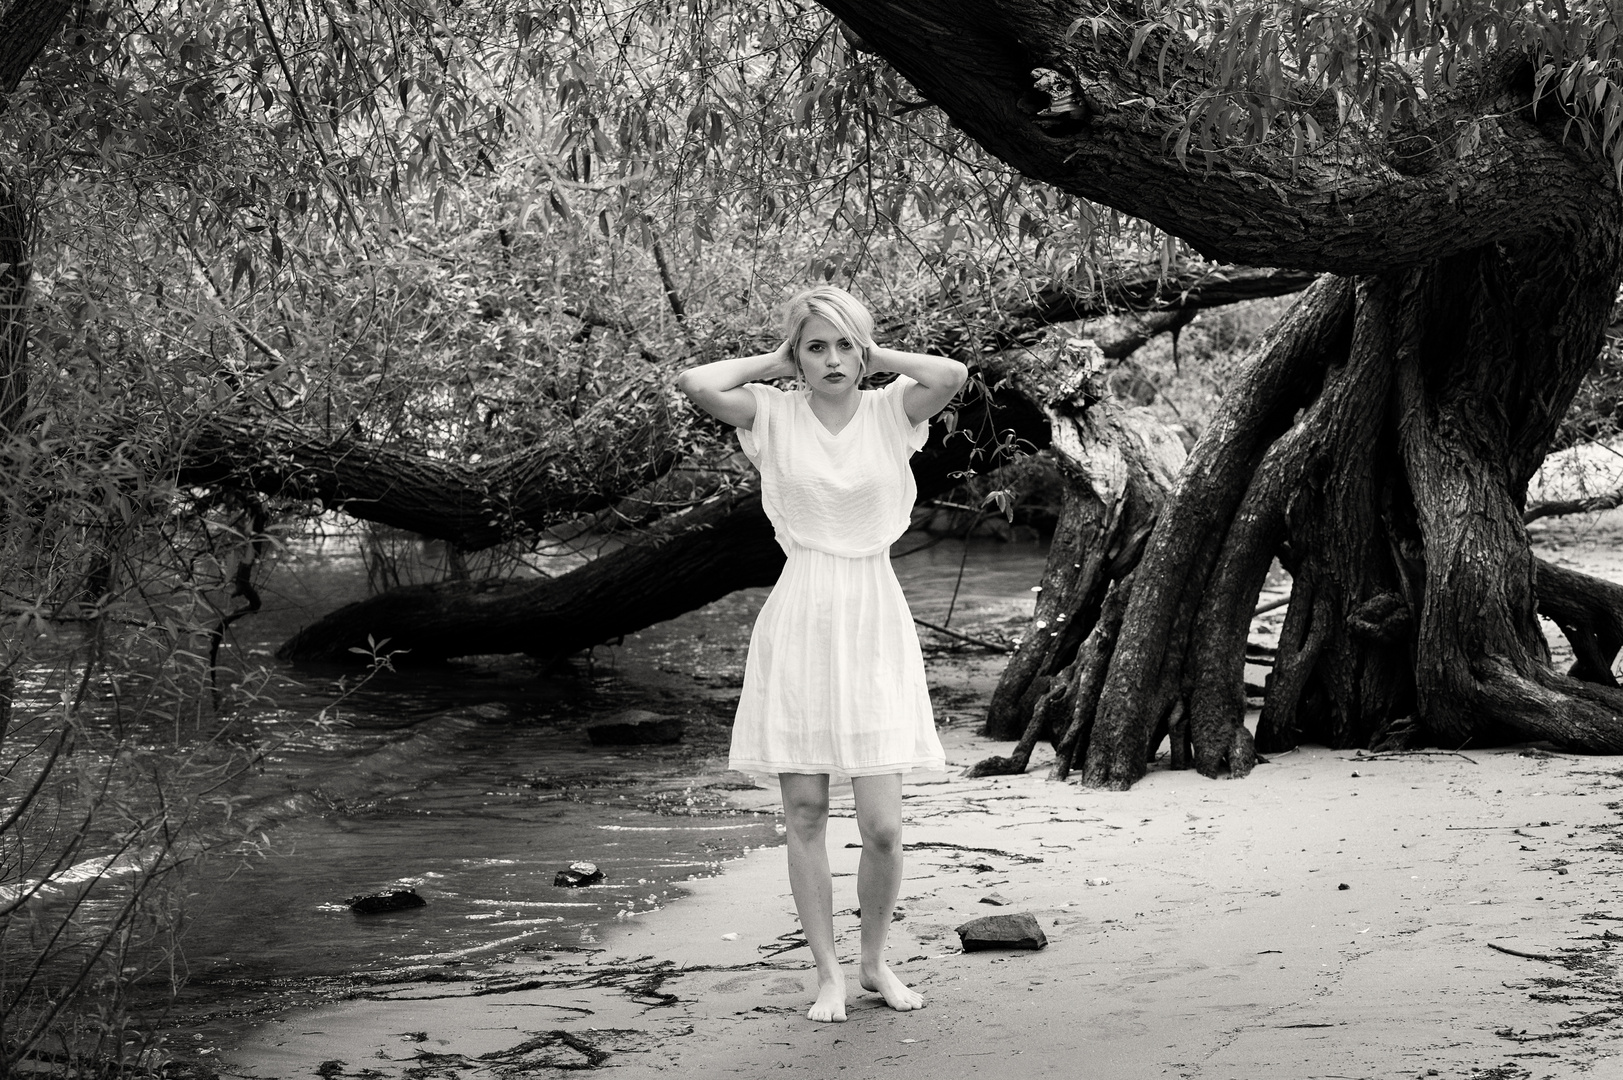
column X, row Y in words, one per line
column 834, row 685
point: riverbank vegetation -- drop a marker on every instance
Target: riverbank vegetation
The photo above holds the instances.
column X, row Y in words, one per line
column 433, row 266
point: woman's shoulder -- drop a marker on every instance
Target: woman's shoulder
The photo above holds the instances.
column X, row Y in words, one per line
column 892, row 404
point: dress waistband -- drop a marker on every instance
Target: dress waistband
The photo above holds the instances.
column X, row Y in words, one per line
column 792, row 547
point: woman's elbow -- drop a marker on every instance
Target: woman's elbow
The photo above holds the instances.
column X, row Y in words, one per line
column 960, row 375
column 686, row 383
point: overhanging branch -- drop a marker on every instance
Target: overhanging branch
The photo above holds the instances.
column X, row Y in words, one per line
column 1355, row 203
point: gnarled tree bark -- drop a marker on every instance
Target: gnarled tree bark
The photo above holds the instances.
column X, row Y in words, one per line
column 1382, row 437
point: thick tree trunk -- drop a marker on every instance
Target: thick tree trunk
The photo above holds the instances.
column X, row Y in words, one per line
column 1380, row 444
column 1146, row 667
column 1493, row 347
column 1355, row 675
column 1119, row 465
column 1395, row 499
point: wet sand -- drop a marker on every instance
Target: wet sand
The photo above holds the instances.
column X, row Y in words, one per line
column 1334, row 915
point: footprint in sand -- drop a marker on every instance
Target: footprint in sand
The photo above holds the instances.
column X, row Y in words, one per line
column 785, row 985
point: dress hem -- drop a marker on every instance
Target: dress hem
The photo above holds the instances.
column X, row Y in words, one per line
column 835, row 772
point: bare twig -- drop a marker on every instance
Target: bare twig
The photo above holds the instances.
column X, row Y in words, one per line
column 1524, row 955
column 982, row 642
column 1560, row 507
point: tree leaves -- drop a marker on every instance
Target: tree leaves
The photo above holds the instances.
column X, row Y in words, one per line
column 1272, row 69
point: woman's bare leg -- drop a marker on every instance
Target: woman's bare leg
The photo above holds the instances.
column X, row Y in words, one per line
column 879, row 879
column 805, row 817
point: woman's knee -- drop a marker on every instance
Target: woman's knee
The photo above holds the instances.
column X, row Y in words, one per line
column 879, row 812
column 882, row 836
column 805, row 820
column 805, row 810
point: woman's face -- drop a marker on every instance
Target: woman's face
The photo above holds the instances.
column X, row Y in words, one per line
column 831, row 362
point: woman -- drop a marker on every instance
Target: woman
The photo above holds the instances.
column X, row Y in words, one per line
column 834, row 684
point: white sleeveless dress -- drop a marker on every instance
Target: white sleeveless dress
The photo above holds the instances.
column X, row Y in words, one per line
column 834, row 681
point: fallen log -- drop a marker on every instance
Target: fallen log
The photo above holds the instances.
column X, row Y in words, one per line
column 682, row 563
column 685, row 563
column 472, row 505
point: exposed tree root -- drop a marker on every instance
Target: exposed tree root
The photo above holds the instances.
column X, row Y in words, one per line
column 1389, row 637
column 1282, row 377
column 1589, row 611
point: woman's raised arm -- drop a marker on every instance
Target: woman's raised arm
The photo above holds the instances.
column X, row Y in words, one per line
column 937, row 379
column 718, row 388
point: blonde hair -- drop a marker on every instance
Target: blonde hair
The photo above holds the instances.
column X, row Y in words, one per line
column 847, row 314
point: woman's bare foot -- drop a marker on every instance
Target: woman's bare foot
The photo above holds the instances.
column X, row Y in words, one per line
column 829, row 1008
column 882, row 981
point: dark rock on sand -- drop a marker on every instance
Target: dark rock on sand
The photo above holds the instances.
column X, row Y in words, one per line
column 1017, row 931
column 392, row 900
column 635, row 727
column 578, row 874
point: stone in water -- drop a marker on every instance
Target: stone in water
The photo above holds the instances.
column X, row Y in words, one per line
column 578, row 874
column 392, row 900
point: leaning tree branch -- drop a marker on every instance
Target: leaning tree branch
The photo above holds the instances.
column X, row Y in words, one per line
column 1150, row 290
column 473, row 505
column 477, row 505
column 1589, row 611
column 1561, row 507
column 1359, row 202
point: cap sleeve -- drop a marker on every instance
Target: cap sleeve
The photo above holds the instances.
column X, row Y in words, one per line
column 915, row 435
column 756, row 436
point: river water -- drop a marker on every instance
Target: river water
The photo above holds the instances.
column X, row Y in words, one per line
column 474, row 784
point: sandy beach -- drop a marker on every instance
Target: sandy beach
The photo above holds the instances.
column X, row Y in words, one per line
column 1334, row 915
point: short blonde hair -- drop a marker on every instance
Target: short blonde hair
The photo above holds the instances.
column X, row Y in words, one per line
column 847, row 314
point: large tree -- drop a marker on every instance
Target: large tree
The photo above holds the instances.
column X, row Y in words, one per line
column 1453, row 165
